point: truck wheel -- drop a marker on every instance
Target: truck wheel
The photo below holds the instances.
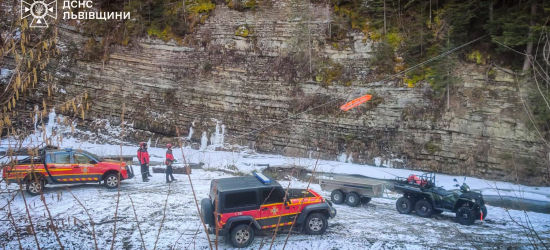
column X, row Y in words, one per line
column 35, row 187
column 207, row 211
column 365, row 200
column 353, row 199
column 337, row 196
column 484, row 210
column 111, row 181
column 242, row 235
column 315, row 224
column 465, row 216
column 403, row 205
column 423, row 208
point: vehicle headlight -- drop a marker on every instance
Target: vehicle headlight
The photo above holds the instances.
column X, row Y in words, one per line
column 474, row 200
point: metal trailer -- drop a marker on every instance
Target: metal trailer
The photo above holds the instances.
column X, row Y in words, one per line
column 351, row 190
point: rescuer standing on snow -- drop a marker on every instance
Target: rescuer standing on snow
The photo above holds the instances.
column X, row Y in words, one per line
column 169, row 160
column 143, row 157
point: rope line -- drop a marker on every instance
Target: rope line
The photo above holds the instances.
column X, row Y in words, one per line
column 381, row 81
column 337, row 99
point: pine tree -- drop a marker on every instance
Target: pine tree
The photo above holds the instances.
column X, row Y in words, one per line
column 518, row 24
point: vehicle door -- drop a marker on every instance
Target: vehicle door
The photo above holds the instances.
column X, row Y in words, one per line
column 85, row 168
column 272, row 208
column 60, row 167
column 239, row 203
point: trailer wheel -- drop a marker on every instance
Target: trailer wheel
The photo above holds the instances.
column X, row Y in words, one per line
column 404, row 205
column 337, row 196
column 353, row 199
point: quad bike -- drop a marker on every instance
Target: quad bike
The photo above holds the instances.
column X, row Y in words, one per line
column 422, row 196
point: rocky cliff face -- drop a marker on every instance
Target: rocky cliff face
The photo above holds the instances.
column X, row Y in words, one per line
column 250, row 83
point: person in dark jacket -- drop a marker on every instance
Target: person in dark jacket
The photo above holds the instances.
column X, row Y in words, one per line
column 143, row 157
column 169, row 160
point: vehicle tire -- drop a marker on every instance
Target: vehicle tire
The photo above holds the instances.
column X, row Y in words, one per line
column 465, row 216
column 353, row 199
column 242, row 235
column 424, row 208
column 316, row 224
column 35, row 187
column 337, row 196
column 484, row 210
column 207, row 212
column 365, row 200
column 111, row 181
column 403, row 205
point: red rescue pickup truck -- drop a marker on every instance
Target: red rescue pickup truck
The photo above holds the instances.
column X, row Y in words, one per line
column 64, row 167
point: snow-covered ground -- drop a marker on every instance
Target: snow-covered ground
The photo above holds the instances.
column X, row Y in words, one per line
column 373, row 226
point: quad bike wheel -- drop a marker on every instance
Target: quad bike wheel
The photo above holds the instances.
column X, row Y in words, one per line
column 424, row 209
column 465, row 216
column 403, row 205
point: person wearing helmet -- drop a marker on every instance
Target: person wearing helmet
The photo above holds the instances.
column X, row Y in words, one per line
column 169, row 160
column 143, row 157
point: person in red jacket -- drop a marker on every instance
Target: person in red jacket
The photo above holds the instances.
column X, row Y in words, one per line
column 143, row 157
column 169, row 160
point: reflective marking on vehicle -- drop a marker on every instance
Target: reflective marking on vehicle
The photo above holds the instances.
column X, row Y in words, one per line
column 282, row 224
column 78, row 179
column 61, row 165
column 273, row 204
column 71, row 179
column 26, row 170
column 95, row 179
column 64, row 179
column 268, row 217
